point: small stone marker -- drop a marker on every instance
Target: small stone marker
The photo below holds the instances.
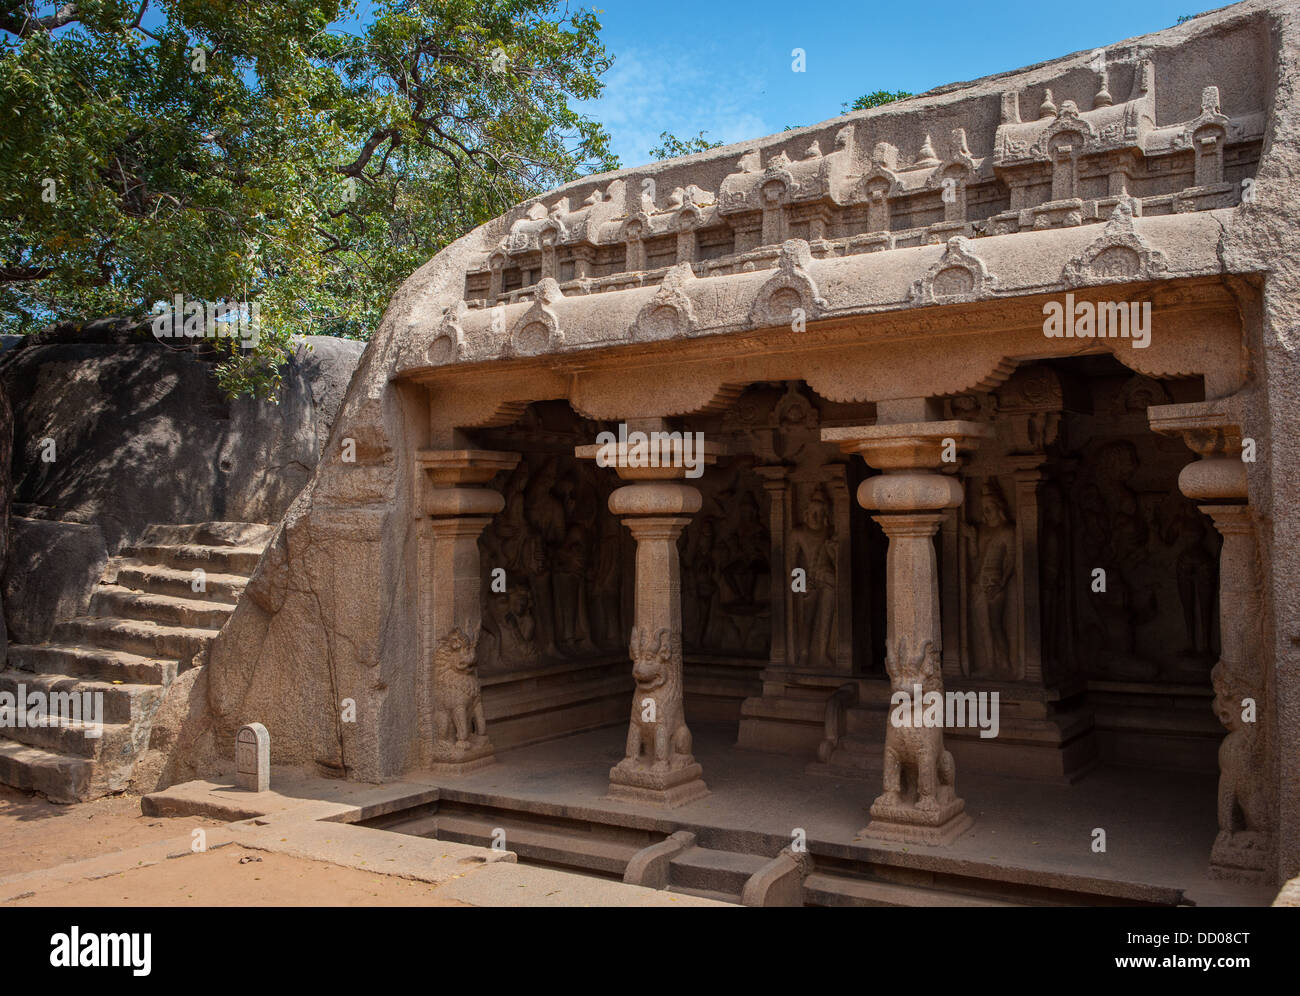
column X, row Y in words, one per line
column 253, row 758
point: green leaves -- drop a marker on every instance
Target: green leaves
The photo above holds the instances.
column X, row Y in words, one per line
column 878, row 97
column 307, row 164
column 670, row 146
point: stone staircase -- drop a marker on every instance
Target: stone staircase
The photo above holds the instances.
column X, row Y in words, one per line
column 151, row 617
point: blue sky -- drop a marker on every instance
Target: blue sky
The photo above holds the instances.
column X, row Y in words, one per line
column 725, row 67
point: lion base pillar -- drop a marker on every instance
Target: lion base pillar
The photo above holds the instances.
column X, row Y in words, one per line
column 659, row 769
column 919, row 802
column 459, row 507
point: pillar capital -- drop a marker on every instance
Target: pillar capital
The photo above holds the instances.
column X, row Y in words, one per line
column 1212, row 430
column 919, row 524
column 653, row 454
column 1231, row 520
column 655, row 498
column 909, row 446
column 448, row 468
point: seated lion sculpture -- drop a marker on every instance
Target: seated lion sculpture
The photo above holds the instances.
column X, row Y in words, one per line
column 458, row 721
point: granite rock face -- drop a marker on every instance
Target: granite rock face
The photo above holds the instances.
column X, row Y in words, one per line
column 890, row 258
column 97, row 424
column 51, row 570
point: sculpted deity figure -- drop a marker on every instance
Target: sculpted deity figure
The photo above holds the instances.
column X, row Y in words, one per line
column 992, row 551
column 1186, row 530
column 750, row 547
column 605, row 586
column 701, row 583
column 545, row 515
column 517, row 627
column 1051, row 568
column 572, row 629
column 816, row 550
column 1115, row 533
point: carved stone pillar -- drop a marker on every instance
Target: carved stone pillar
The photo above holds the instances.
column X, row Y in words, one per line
column 777, row 487
column 459, row 509
column 1243, row 850
column 659, row 767
column 1029, row 624
column 838, row 488
column 919, row 802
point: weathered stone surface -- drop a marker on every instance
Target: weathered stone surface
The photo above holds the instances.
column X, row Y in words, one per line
column 180, row 740
column 51, row 571
column 847, row 273
column 121, row 414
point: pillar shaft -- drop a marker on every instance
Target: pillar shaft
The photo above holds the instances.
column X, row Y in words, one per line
column 776, row 486
column 454, row 563
column 658, row 601
column 911, row 580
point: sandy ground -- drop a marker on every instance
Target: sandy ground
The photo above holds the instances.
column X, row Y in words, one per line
column 36, row 834
column 236, row 876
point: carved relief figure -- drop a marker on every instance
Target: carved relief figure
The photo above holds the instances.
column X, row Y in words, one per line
column 606, row 582
column 545, row 514
column 992, row 552
column 458, row 722
column 1051, row 569
column 815, row 549
column 917, row 750
column 1186, row 529
column 516, row 627
column 749, row 548
column 700, row 584
column 1115, row 537
column 572, row 629
column 657, row 737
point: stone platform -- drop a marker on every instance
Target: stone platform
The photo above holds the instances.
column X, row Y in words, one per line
column 1159, row 825
column 1030, row 842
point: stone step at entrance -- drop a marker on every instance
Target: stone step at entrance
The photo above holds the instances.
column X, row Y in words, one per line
column 713, row 874
column 158, row 606
column 730, row 865
column 556, row 843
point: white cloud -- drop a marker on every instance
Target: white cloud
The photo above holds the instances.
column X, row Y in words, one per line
column 648, row 92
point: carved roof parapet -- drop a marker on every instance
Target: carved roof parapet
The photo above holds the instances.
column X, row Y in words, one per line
column 686, row 303
column 1105, row 126
column 1065, row 147
column 815, row 175
column 557, row 223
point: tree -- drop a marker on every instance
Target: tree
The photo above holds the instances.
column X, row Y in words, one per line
column 670, row 146
column 264, row 153
column 877, row 98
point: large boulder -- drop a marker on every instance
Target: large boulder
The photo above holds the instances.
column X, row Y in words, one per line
column 112, row 433
column 125, row 433
column 49, row 575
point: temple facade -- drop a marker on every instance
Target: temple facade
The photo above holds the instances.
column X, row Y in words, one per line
column 982, row 394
